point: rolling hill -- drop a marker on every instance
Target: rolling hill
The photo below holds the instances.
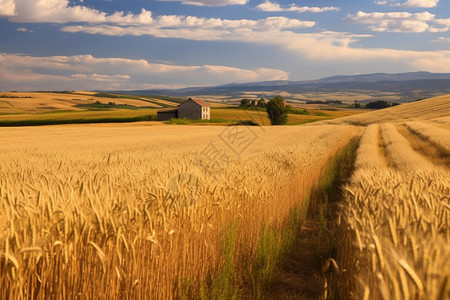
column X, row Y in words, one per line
column 404, row 86
column 433, row 110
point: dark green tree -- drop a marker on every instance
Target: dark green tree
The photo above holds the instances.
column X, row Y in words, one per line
column 245, row 103
column 262, row 103
column 276, row 111
column 378, row 104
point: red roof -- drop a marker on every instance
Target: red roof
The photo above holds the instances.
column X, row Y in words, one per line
column 200, row 102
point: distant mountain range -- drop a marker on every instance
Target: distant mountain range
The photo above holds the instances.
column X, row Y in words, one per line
column 409, row 86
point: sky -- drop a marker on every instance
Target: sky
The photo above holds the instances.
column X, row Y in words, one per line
column 147, row 44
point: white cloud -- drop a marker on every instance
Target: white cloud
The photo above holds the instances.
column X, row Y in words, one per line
column 442, row 40
column 24, row 72
column 330, row 49
column 101, row 78
column 59, row 11
column 7, row 8
column 409, row 3
column 88, row 72
column 419, row 3
column 338, row 49
column 210, row 2
column 397, row 21
column 275, row 7
column 194, row 28
column 22, row 29
column 443, row 22
column 120, row 23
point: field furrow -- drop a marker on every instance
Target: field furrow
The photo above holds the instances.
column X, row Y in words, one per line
column 399, row 151
column 440, row 137
column 422, row 145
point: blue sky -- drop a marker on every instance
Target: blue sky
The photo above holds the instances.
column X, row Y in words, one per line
column 142, row 44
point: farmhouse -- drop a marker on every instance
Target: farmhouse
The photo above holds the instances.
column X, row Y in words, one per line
column 166, row 114
column 190, row 109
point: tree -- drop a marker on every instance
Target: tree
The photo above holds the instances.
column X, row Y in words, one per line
column 276, row 111
column 244, row 103
column 262, row 103
column 378, row 104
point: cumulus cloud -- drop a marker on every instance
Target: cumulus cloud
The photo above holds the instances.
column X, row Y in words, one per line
column 445, row 23
column 419, row 3
column 320, row 48
column 210, row 2
column 59, row 11
column 409, row 3
column 397, row 21
column 194, row 28
column 120, row 23
column 275, row 7
column 25, row 72
column 7, row 8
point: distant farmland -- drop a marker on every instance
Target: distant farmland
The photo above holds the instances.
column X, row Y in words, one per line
column 46, row 108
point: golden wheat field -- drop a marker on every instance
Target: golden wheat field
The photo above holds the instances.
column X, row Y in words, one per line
column 182, row 212
column 435, row 110
column 395, row 218
column 38, row 102
column 141, row 212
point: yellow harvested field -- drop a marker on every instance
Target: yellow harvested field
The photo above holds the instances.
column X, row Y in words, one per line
column 142, row 211
column 77, row 115
column 261, row 118
column 443, row 122
column 85, row 92
column 44, row 102
column 161, row 102
column 429, row 109
column 369, row 153
column 399, row 152
column 436, row 135
column 340, row 112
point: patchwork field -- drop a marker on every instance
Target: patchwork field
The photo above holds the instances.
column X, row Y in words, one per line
column 46, row 108
column 39, row 102
column 188, row 212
